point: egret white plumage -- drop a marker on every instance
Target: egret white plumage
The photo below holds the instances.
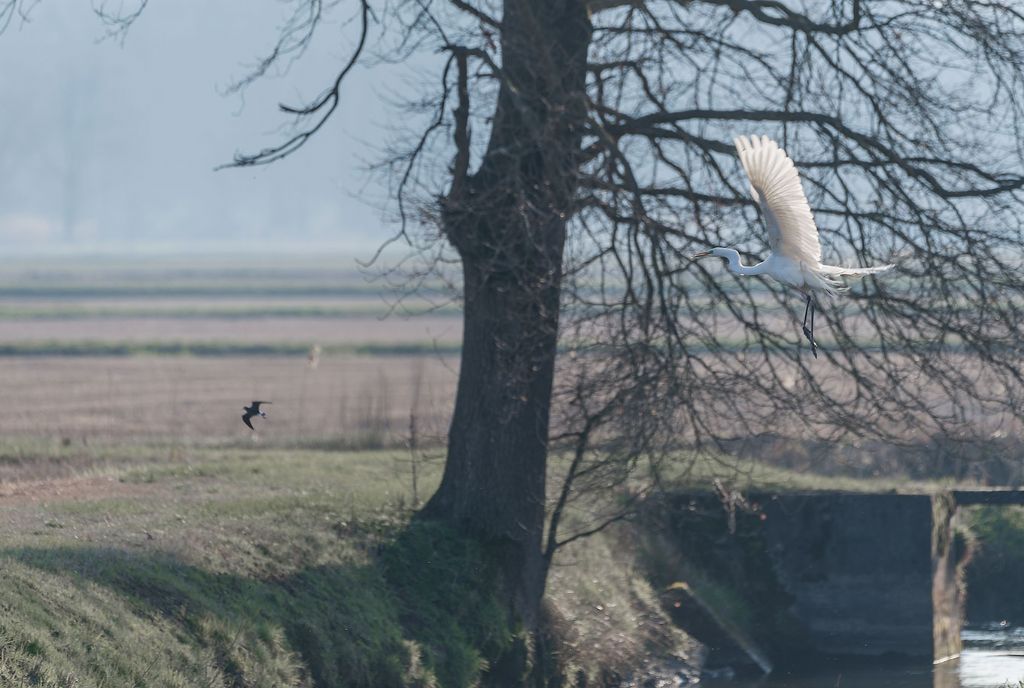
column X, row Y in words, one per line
column 792, row 235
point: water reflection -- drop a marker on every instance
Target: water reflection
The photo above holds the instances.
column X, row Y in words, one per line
column 993, row 657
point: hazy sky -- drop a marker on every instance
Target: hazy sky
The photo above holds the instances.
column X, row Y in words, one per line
column 106, row 144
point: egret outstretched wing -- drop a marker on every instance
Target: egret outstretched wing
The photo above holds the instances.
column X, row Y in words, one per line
column 792, row 234
column 775, row 185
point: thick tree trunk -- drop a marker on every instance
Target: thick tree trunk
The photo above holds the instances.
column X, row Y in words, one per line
column 494, row 478
column 508, row 222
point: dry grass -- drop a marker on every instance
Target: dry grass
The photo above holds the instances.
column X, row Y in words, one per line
column 263, row 567
column 213, row 305
column 214, row 568
column 355, row 329
column 279, row 305
column 345, row 400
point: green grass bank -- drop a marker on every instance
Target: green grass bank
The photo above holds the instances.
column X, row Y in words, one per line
column 275, row 567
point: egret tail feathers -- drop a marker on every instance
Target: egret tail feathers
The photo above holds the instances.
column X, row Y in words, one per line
column 825, row 283
column 854, row 272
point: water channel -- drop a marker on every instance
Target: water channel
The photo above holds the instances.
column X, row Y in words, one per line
column 993, row 657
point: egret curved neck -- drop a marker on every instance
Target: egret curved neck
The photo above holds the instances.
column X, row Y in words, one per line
column 735, row 266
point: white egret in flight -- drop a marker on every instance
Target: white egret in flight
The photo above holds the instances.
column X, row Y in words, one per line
column 792, row 235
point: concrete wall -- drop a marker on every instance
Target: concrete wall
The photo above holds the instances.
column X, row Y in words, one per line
column 825, row 573
column 948, row 587
column 859, row 568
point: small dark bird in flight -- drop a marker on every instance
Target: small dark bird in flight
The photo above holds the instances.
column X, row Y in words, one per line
column 253, row 410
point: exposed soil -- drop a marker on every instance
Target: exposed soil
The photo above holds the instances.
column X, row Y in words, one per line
column 266, row 330
column 18, row 493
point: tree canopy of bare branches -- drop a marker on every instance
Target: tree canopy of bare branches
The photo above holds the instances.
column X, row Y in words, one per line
column 904, row 119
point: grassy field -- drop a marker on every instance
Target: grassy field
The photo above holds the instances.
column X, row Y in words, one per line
column 269, row 566
column 148, row 538
column 272, row 567
column 218, row 568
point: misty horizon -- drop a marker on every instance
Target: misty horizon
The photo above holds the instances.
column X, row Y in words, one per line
column 111, row 145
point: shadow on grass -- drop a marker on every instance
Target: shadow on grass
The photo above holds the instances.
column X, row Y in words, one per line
column 422, row 613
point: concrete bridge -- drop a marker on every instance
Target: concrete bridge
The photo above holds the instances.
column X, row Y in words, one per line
column 874, row 574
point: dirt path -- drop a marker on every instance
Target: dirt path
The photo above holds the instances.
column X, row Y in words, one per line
column 78, row 488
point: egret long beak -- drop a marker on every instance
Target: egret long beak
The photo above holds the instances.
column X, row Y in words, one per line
column 695, row 256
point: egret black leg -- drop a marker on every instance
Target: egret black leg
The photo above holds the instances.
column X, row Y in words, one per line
column 814, row 344
column 809, row 333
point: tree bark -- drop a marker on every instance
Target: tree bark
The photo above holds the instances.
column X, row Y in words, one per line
column 508, row 222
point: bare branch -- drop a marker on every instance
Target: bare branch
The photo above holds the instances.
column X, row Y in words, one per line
column 9, row 9
column 596, row 6
column 323, row 107
column 460, row 168
column 602, row 524
column 478, row 13
column 778, row 14
column 642, row 125
column 293, row 39
column 119, row 21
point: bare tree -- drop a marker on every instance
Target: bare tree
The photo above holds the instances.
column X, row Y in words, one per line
column 573, row 155
column 904, row 119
